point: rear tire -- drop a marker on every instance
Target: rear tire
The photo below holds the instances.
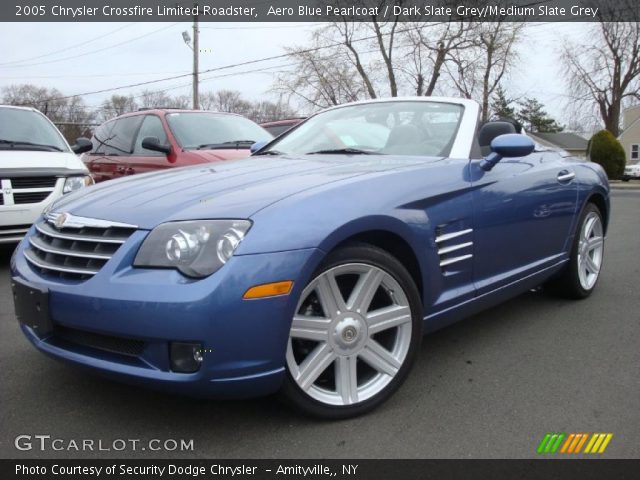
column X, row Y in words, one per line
column 581, row 275
column 355, row 334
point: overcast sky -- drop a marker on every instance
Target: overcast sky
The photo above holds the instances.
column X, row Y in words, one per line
column 58, row 55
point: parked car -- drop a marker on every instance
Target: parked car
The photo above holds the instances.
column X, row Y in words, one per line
column 278, row 127
column 37, row 166
column 631, row 172
column 151, row 140
column 316, row 265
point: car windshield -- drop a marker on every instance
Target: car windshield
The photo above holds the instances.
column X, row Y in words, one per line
column 28, row 130
column 392, row 128
column 195, row 130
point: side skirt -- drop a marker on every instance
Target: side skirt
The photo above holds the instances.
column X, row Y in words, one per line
column 472, row 306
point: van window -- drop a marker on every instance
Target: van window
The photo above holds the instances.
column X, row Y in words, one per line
column 116, row 136
column 151, row 127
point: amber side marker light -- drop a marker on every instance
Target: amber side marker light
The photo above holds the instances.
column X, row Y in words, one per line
column 268, row 290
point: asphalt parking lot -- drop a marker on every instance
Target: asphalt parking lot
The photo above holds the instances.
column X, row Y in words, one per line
column 488, row 387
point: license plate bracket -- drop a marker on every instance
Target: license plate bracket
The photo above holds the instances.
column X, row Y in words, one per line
column 32, row 306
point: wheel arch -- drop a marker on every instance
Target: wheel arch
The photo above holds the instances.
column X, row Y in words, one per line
column 390, row 235
column 600, row 201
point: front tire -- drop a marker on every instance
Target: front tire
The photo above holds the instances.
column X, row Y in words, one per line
column 580, row 277
column 354, row 335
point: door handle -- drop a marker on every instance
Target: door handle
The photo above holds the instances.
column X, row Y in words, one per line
column 565, row 176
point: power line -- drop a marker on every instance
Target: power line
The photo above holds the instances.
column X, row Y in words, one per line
column 73, row 57
column 248, row 62
column 96, row 75
column 225, row 67
column 82, row 44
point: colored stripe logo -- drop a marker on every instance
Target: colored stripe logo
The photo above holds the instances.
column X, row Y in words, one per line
column 573, row 443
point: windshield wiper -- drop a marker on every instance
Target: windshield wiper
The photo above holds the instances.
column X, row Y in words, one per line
column 268, row 152
column 231, row 144
column 13, row 143
column 353, row 151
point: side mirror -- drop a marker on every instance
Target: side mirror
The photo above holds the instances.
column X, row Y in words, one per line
column 507, row 146
column 153, row 143
column 257, row 146
column 82, row 145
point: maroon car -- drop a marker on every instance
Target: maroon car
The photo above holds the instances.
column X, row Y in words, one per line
column 278, row 127
column 157, row 139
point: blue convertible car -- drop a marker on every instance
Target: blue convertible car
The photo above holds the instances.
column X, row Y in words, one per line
column 314, row 267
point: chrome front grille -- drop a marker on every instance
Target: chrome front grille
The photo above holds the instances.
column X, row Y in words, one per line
column 25, row 190
column 74, row 247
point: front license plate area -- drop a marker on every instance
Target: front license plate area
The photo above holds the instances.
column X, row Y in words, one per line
column 32, row 306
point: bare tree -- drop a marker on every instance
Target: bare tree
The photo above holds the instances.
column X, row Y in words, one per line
column 230, row 101
column 70, row 114
column 431, row 46
column 153, row 99
column 322, row 76
column 46, row 100
column 476, row 72
column 605, row 73
column 117, row 105
column 266, row 111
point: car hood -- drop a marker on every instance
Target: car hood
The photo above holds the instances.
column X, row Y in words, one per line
column 53, row 162
column 235, row 189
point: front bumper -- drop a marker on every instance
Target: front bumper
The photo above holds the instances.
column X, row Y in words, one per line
column 244, row 340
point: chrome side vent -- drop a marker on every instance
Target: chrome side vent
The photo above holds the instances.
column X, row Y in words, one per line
column 453, row 247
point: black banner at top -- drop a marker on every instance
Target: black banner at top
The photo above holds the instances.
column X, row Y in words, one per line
column 319, row 10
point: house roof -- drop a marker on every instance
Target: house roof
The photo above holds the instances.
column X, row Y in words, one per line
column 564, row 140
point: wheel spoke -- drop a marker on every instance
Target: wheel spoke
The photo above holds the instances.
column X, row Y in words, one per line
column 594, row 242
column 591, row 265
column 313, row 366
column 388, row 317
column 364, row 291
column 588, row 227
column 330, row 296
column 380, row 358
column 310, row 328
column 347, row 379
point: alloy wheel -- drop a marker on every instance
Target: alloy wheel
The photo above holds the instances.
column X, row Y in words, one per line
column 590, row 250
column 350, row 335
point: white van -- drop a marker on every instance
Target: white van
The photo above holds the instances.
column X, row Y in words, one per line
column 37, row 166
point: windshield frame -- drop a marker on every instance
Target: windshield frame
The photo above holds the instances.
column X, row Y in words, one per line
column 463, row 136
column 178, row 140
column 63, row 144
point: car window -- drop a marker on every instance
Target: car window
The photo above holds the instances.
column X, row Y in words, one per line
column 116, row 138
column 276, row 130
column 18, row 125
column 193, row 129
column 392, row 128
column 151, row 127
column 100, row 138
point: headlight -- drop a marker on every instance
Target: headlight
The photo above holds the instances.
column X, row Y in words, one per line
column 196, row 248
column 71, row 184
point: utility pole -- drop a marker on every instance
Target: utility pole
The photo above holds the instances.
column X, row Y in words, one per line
column 196, row 51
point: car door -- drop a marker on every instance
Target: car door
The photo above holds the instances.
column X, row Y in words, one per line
column 523, row 212
column 143, row 160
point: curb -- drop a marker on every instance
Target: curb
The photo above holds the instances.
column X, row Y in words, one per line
column 625, row 185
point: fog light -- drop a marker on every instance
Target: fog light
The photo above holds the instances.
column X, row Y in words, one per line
column 185, row 357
